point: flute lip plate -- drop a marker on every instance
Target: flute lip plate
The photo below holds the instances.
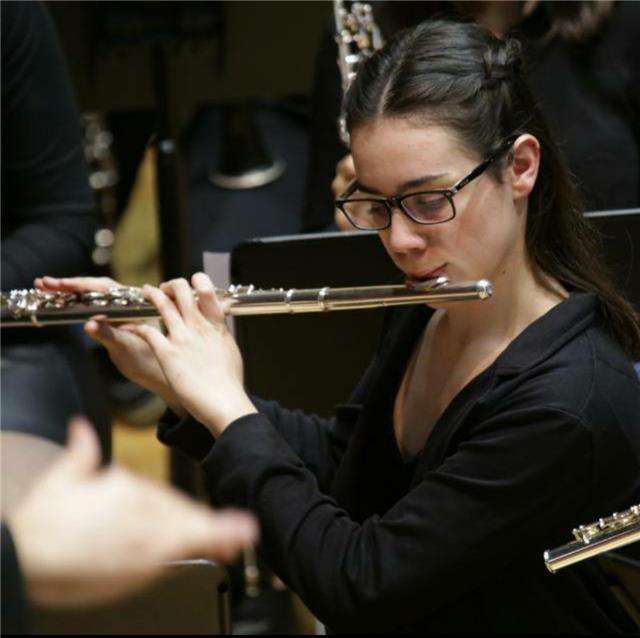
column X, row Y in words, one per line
column 485, row 288
column 428, row 284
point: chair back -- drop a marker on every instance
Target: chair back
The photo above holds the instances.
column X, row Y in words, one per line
column 191, row 598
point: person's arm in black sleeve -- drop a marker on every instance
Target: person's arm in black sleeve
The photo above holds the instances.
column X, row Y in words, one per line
column 475, row 515
column 319, row 442
column 48, row 212
column 14, row 602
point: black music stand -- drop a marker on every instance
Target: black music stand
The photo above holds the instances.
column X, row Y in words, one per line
column 302, row 361
column 318, row 359
column 620, row 231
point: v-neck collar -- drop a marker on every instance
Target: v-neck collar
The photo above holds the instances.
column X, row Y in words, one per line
column 535, row 343
column 373, row 474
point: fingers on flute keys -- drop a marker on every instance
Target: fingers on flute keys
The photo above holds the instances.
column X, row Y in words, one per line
column 110, row 336
column 180, row 292
column 205, row 301
column 208, row 302
column 74, row 284
column 168, row 310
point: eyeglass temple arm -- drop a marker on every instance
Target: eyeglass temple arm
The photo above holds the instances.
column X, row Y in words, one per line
column 505, row 146
column 353, row 186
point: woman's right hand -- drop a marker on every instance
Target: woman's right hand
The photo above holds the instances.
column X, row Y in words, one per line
column 130, row 353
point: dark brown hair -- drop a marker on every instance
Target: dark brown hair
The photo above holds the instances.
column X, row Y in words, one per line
column 459, row 75
column 578, row 22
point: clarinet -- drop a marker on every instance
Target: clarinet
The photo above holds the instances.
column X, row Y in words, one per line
column 358, row 37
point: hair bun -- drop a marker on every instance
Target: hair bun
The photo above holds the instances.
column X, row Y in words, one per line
column 510, row 55
column 502, row 62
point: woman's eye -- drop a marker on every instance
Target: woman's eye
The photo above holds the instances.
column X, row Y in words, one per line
column 431, row 202
column 376, row 208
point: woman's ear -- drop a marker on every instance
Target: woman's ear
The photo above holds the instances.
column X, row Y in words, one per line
column 524, row 166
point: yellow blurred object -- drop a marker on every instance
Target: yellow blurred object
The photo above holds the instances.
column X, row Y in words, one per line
column 136, row 250
column 136, row 261
column 138, row 450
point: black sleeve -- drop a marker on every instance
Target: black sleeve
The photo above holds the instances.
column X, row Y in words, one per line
column 48, row 213
column 14, row 604
column 318, row 442
column 490, row 502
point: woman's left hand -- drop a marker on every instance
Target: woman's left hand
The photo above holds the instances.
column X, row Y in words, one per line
column 199, row 357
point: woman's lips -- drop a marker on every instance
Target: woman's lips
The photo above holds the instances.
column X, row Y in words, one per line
column 432, row 274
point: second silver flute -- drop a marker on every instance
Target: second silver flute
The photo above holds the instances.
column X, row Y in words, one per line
column 604, row 535
column 34, row 308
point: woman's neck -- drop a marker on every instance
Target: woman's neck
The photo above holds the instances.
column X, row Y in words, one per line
column 519, row 299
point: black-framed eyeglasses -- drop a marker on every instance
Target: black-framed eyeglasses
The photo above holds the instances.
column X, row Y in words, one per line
column 425, row 208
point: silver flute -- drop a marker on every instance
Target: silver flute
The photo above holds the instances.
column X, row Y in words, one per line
column 603, row 535
column 20, row 308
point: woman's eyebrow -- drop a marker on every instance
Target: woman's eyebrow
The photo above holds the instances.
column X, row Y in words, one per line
column 424, row 180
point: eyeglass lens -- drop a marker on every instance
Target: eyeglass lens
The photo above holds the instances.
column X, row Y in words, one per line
column 424, row 208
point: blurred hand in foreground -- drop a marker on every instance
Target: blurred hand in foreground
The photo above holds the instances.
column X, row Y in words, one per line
column 86, row 535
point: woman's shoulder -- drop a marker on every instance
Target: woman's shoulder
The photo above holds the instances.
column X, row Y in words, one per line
column 568, row 361
column 609, row 357
column 584, row 395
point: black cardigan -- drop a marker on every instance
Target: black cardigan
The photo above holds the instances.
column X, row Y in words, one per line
column 546, row 438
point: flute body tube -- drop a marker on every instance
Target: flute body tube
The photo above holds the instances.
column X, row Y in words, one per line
column 20, row 308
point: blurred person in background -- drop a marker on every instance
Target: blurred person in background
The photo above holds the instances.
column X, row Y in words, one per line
column 48, row 225
column 581, row 60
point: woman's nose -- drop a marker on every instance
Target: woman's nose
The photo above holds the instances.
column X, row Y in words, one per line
column 404, row 235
